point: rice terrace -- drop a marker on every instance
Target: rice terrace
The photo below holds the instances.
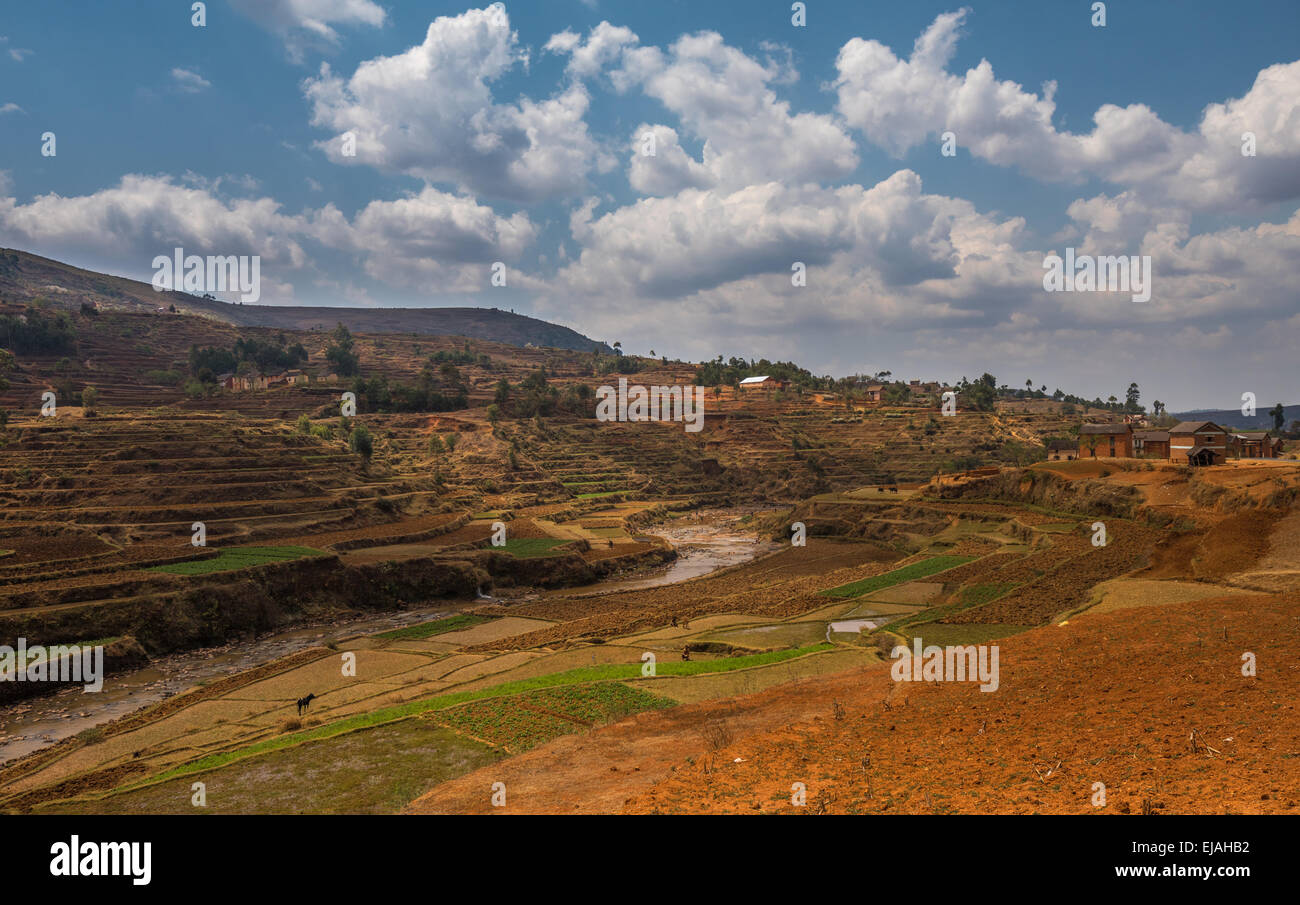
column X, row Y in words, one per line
column 746, row 411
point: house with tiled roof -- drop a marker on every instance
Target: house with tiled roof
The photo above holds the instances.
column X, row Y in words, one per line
column 1151, row 444
column 1105, row 439
column 1198, row 443
column 1254, row 445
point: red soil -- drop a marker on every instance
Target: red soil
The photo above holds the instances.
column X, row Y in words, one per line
column 1110, row 698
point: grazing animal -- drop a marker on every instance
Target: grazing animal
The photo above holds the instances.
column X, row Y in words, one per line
column 304, row 703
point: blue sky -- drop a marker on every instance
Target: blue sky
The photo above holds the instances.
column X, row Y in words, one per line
column 510, row 135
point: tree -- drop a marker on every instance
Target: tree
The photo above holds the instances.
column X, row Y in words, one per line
column 361, row 443
column 978, row 396
column 340, row 353
column 1278, row 413
column 88, row 396
column 7, row 363
column 1131, row 397
column 493, row 413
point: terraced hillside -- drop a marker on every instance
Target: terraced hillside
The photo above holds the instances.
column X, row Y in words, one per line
column 98, row 498
column 778, row 671
column 502, row 514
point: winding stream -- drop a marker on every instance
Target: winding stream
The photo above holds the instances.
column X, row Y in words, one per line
column 706, row 542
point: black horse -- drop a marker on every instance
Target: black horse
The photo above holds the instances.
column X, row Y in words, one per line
column 304, row 703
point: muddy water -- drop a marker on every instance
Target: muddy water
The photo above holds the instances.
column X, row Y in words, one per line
column 705, row 543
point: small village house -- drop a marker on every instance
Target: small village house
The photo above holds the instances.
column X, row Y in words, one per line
column 761, row 383
column 1198, row 443
column 1151, row 444
column 1108, row 440
column 1060, row 447
column 1254, row 445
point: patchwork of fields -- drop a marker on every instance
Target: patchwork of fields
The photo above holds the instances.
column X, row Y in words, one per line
column 548, row 663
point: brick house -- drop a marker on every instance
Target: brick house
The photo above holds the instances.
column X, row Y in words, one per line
column 1254, row 445
column 1198, row 443
column 1151, row 444
column 1059, row 447
column 1110, row 440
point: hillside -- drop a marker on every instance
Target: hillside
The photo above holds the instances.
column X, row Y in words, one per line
column 1260, row 421
column 26, row 277
column 788, row 678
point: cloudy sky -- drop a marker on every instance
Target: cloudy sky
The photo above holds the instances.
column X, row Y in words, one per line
column 519, row 134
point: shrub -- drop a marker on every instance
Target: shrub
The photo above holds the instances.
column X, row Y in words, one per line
column 197, row 389
column 168, row 378
column 361, row 443
column 91, row 736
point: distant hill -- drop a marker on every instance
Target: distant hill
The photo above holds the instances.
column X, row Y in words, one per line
column 1261, row 420
column 25, row 277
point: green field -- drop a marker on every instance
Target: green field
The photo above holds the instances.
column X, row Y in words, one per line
column 977, row 594
column 524, row 721
column 436, row 627
column 374, row 772
column 592, row 496
column 238, row 558
column 916, row 570
column 607, row 672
